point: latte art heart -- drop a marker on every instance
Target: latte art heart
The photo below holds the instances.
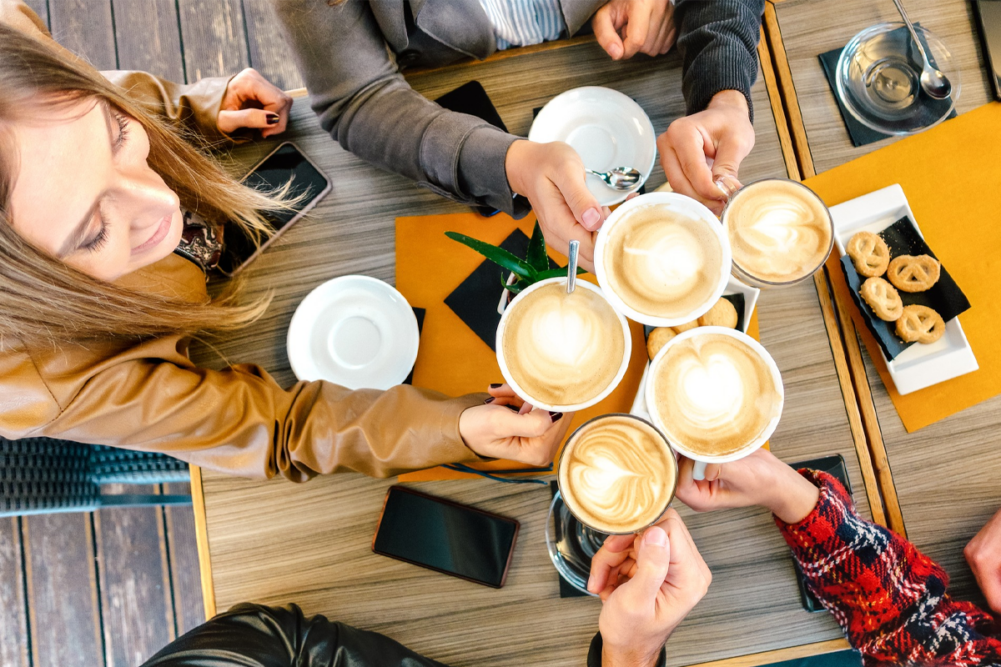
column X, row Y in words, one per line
column 714, row 394
column 617, row 474
column 562, row 349
column 779, row 231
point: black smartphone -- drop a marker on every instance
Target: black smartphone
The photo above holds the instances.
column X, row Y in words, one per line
column 285, row 163
column 445, row 536
column 833, row 465
column 472, row 99
column 989, row 22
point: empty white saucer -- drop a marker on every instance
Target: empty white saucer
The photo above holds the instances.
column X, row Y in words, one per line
column 606, row 128
column 354, row 331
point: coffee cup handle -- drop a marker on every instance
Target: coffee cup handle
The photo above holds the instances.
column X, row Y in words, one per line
column 728, row 185
column 699, row 471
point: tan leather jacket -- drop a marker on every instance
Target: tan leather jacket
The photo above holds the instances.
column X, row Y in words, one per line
column 151, row 397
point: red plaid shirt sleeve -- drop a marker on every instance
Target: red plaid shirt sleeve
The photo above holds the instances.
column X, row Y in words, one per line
column 889, row 598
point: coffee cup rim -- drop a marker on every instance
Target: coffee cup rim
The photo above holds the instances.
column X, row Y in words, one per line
column 626, row 353
column 671, row 457
column 654, row 198
column 754, row 444
column 745, row 275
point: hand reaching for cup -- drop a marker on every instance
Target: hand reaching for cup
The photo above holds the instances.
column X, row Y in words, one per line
column 506, row 427
column 757, row 479
column 983, row 553
column 254, row 102
column 647, row 583
column 552, row 177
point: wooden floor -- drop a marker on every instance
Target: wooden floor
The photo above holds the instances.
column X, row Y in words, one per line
column 113, row 587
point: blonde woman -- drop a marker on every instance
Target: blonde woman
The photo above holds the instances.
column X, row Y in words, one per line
column 109, row 219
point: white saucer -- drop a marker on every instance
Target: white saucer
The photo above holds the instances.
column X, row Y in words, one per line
column 354, row 331
column 606, row 128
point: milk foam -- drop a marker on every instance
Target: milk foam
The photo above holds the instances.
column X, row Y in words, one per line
column 714, row 394
column 662, row 262
column 562, row 349
column 617, row 474
column 779, row 231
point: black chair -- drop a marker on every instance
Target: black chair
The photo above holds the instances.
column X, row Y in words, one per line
column 43, row 475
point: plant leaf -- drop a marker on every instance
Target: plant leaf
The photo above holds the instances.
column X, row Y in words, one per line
column 498, row 256
column 559, row 272
column 536, row 254
column 514, row 287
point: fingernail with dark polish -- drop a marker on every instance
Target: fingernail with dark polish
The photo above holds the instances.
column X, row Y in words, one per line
column 489, row 400
column 273, row 119
column 513, row 408
column 556, row 416
column 496, row 385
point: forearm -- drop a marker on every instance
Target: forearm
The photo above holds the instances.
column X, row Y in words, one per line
column 718, row 42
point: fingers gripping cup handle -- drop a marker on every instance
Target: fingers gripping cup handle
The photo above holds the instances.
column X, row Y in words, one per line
column 699, row 471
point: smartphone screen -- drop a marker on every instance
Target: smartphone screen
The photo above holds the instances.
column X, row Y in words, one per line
column 286, row 163
column 835, row 466
column 445, row 536
column 989, row 15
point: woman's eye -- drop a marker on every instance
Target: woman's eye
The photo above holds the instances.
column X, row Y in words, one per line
column 123, row 130
column 95, row 244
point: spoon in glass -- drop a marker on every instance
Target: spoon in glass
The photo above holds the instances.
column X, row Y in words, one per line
column 933, row 81
column 618, row 178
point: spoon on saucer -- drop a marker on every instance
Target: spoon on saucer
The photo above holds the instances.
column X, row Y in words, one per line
column 933, row 81
column 618, row 178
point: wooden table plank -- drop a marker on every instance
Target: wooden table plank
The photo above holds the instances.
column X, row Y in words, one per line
column 148, row 38
column 13, row 607
column 65, row 617
column 136, row 606
column 944, row 510
column 85, row 27
column 320, row 532
column 214, row 37
column 189, row 609
column 269, row 53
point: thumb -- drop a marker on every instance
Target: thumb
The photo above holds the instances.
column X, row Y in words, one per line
column 726, row 162
column 230, row 121
column 651, row 567
column 585, row 208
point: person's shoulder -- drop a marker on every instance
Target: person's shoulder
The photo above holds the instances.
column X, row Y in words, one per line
column 173, row 277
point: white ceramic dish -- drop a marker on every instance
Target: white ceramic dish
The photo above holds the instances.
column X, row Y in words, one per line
column 733, row 287
column 354, row 331
column 918, row 366
column 606, row 128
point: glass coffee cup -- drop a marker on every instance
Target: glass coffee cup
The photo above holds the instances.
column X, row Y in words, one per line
column 617, row 475
column 780, row 232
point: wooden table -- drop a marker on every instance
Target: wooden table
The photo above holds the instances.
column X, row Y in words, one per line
column 934, row 492
column 277, row 542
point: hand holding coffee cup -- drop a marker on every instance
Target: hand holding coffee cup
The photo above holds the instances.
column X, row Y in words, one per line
column 716, row 394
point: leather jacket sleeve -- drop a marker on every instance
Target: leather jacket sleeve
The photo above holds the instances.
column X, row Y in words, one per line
column 367, row 106
column 196, row 106
column 250, row 635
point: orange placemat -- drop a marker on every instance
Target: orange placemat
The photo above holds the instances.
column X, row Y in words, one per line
column 453, row 359
column 951, row 176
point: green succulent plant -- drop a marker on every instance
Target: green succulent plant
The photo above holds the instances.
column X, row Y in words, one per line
column 528, row 271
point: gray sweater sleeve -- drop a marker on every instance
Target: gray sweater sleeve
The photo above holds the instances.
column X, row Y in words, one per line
column 718, row 42
column 367, row 106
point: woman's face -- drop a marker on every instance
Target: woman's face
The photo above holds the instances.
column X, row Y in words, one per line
column 84, row 193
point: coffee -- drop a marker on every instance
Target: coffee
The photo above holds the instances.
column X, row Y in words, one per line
column 714, row 394
column 779, row 231
column 617, row 474
column 663, row 261
column 562, row 349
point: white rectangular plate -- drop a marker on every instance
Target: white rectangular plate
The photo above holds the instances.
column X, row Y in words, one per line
column 918, row 366
column 733, row 287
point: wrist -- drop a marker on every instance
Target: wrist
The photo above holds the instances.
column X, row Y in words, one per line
column 515, row 162
column 612, row 657
column 794, row 497
column 729, row 99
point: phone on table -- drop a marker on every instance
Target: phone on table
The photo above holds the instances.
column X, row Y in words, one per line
column 835, row 466
column 285, row 163
column 989, row 21
column 471, row 98
column 445, row 536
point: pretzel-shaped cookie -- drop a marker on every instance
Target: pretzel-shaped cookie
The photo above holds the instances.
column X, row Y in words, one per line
column 869, row 254
column 883, row 299
column 920, row 324
column 914, row 274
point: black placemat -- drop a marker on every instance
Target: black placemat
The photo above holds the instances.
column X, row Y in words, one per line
column 860, row 134
column 945, row 296
column 419, row 313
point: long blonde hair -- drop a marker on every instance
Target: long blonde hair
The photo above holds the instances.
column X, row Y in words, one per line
column 44, row 300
